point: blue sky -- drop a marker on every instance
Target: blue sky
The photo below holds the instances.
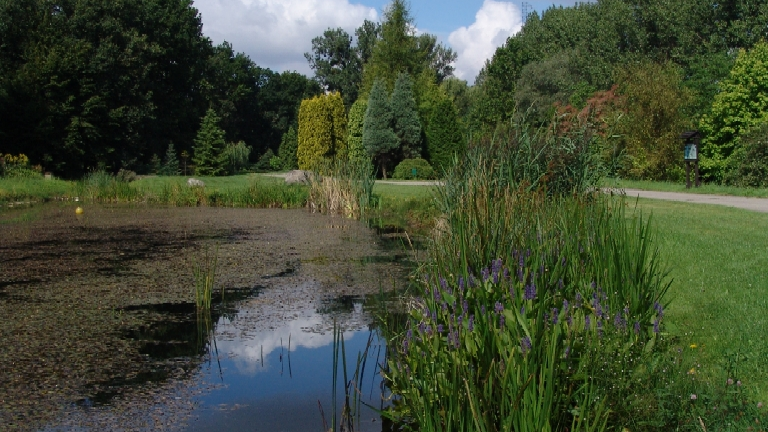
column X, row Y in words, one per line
column 276, row 33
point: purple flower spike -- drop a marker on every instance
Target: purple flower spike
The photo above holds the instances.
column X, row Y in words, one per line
column 501, row 322
column 471, row 326
column 530, row 292
column 525, row 344
column 520, row 274
column 498, row 307
column 465, row 306
column 506, row 273
column 485, row 273
column 439, row 328
column 461, row 284
column 496, row 266
column 555, row 315
column 656, row 325
column 587, row 322
column 443, row 283
column 637, row 328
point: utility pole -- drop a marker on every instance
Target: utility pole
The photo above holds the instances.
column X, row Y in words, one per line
column 526, row 9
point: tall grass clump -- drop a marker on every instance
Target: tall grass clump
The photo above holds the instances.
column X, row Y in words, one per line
column 105, row 187
column 343, row 186
column 533, row 282
column 204, row 272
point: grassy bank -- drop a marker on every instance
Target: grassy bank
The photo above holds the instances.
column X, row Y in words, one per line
column 712, row 189
column 234, row 191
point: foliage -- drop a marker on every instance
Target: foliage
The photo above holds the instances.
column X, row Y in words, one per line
column 545, row 83
column 343, row 187
column 740, row 105
column 236, row 155
column 658, row 108
column 379, row 139
column 356, row 118
column 748, row 165
column 204, row 272
column 170, row 162
column 322, row 131
column 405, row 170
column 336, row 63
column 209, row 146
column 509, row 347
column 445, row 136
column 18, row 167
column 264, row 164
column 405, row 119
column 289, row 146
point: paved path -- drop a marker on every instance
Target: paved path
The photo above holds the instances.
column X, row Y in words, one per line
column 754, row 204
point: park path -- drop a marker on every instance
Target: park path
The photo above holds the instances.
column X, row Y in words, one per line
column 753, row 204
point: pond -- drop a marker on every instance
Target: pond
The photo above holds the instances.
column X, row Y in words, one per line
column 101, row 333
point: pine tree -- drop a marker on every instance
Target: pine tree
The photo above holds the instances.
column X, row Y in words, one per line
column 170, row 163
column 379, row 139
column 209, row 145
column 405, row 118
column 445, row 136
column 355, row 128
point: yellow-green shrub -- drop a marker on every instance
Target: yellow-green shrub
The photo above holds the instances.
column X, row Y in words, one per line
column 322, row 130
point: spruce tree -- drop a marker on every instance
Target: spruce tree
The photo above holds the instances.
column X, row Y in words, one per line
column 405, row 118
column 170, row 162
column 379, row 139
column 355, row 129
column 209, row 145
column 445, row 136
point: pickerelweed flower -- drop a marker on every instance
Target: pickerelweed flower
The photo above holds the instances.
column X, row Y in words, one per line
column 501, row 322
column 498, row 307
column 471, row 325
column 439, row 328
column 555, row 315
column 656, row 325
column 525, row 344
column 461, row 284
column 637, row 327
column 520, row 274
column 530, row 291
column 496, row 270
column 465, row 306
column 443, row 283
column 485, row 274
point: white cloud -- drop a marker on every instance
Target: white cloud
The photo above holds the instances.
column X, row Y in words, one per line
column 277, row 33
column 494, row 23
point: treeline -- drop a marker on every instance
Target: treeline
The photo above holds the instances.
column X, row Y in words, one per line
column 645, row 70
column 97, row 84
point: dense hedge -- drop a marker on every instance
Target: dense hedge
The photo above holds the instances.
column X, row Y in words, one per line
column 322, row 130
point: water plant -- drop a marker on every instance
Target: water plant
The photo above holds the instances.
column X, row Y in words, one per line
column 342, row 186
column 204, row 272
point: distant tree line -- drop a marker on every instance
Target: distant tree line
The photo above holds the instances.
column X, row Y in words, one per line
column 95, row 84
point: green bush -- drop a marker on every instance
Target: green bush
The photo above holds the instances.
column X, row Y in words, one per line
column 264, row 164
column 405, row 170
column 322, row 133
column 18, row 167
column 748, row 165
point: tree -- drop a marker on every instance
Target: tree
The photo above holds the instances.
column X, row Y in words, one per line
column 379, row 139
column 209, row 146
column 322, row 134
column 436, row 57
column 405, row 119
column 236, row 155
column 367, row 35
column 658, row 110
column 336, row 63
column 289, row 145
column 170, row 165
column 397, row 49
column 355, row 129
column 445, row 136
column 741, row 104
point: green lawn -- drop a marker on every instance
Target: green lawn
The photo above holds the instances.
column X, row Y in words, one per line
column 680, row 187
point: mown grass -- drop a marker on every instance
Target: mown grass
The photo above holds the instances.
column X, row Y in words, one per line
column 660, row 186
column 719, row 297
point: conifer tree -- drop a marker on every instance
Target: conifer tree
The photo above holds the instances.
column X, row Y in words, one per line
column 445, row 136
column 355, row 127
column 405, row 118
column 379, row 139
column 209, row 146
column 289, row 145
column 170, row 162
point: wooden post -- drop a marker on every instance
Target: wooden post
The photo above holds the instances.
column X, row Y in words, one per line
column 688, row 174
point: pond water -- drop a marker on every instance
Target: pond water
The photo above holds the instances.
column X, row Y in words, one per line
column 103, row 336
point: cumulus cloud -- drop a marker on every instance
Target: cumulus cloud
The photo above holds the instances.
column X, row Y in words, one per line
column 277, row 33
column 494, row 23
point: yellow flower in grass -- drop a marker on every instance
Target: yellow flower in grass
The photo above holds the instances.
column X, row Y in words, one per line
column 693, row 346
column 692, row 371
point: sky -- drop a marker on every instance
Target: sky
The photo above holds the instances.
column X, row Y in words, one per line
column 277, row 33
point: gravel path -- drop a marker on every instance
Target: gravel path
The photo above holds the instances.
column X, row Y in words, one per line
column 754, row 204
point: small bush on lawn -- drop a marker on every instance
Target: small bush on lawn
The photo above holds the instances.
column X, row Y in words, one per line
column 414, row 169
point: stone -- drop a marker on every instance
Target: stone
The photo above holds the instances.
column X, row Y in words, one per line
column 192, row 182
column 297, row 176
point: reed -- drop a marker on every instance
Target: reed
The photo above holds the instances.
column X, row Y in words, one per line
column 204, row 272
column 343, row 187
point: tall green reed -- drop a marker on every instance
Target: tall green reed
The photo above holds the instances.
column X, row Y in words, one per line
column 204, row 272
column 531, row 278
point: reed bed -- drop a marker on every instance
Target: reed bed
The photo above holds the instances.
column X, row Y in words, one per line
column 204, row 271
column 342, row 187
